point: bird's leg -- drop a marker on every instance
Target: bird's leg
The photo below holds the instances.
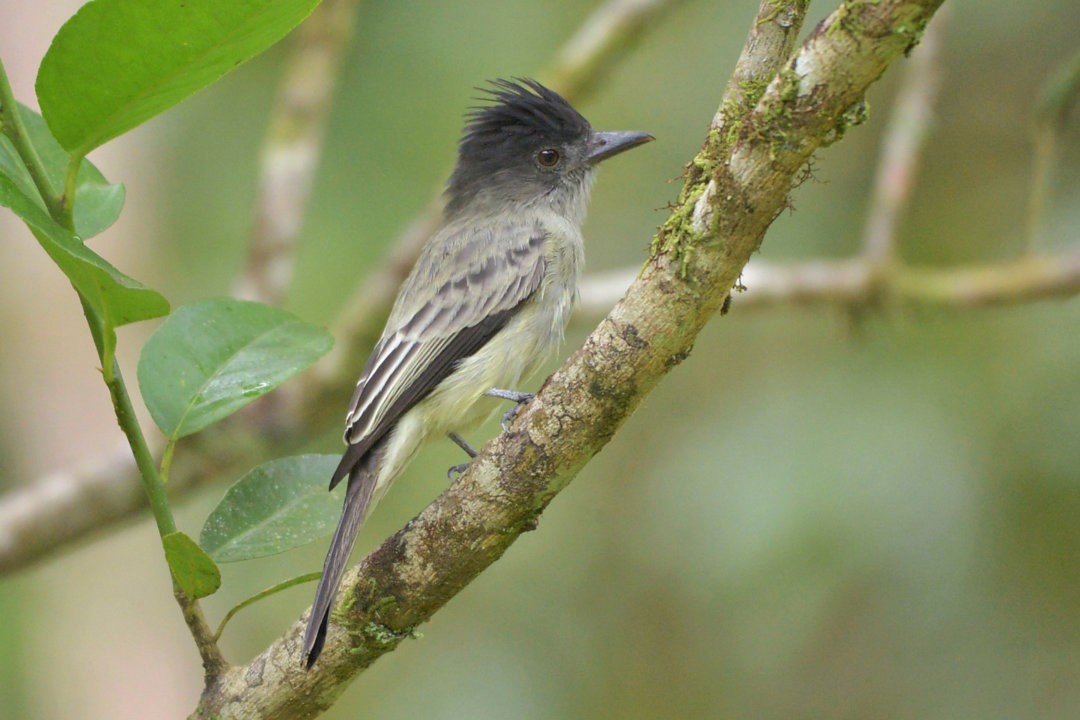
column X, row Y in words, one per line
column 462, row 443
column 514, row 396
column 469, row 450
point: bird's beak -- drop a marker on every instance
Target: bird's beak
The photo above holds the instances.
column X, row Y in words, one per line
column 604, row 143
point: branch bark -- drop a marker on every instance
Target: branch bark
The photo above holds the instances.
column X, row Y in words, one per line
column 735, row 187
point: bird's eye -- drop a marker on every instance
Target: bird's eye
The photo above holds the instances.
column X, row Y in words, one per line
column 548, row 157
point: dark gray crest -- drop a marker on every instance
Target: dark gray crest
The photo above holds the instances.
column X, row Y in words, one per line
column 522, row 118
column 521, row 109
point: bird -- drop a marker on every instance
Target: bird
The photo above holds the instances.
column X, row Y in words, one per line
column 485, row 304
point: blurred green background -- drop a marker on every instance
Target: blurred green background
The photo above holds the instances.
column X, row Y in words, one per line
column 816, row 515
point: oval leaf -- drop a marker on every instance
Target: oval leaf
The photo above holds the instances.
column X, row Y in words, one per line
column 117, row 63
column 194, row 571
column 210, row 359
column 278, row 506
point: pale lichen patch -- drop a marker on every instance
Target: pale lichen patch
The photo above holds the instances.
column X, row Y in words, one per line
column 701, row 221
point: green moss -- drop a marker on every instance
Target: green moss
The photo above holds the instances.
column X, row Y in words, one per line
column 684, row 260
column 856, row 114
column 752, row 90
column 383, row 636
column 789, row 84
column 341, row 612
column 678, row 229
column 778, row 6
column 732, row 120
column 838, row 18
column 777, row 115
column 374, row 631
column 775, row 7
column 912, row 32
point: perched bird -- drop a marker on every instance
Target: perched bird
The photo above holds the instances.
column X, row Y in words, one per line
column 488, row 299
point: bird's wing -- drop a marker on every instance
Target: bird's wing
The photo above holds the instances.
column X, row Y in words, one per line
column 476, row 281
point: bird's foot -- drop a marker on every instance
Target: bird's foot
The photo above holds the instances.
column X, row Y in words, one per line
column 456, row 470
column 514, row 396
column 469, row 450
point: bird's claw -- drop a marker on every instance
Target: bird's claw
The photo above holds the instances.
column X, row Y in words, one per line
column 456, row 470
column 509, row 415
column 514, row 396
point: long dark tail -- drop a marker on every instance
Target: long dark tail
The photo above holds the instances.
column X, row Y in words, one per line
column 357, row 503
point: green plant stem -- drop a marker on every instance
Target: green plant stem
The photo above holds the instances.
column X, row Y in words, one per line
column 213, row 661
column 12, row 125
column 67, row 200
column 144, row 460
column 166, row 460
column 274, row 589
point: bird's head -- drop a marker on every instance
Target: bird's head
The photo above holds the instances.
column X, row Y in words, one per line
column 528, row 145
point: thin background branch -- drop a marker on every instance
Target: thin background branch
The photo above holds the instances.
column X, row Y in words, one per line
column 1057, row 98
column 901, row 149
column 292, row 149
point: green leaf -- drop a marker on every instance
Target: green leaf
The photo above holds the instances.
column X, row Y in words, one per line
column 117, row 63
column 115, row 297
column 13, row 170
column 209, row 359
column 276, row 507
column 98, row 202
column 194, row 571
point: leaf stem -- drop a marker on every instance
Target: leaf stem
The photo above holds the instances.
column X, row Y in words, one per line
column 144, row 460
column 12, row 125
column 283, row 585
column 213, row 661
column 166, row 460
column 67, row 200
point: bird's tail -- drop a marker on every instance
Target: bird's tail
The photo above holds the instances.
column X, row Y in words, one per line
column 357, row 503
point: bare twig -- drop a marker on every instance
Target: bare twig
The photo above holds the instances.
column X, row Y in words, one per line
column 69, row 505
column 902, row 147
column 65, row 505
column 610, row 31
column 292, row 148
column 1032, row 277
column 855, row 282
column 1058, row 96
